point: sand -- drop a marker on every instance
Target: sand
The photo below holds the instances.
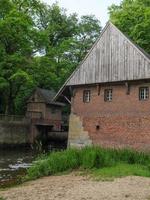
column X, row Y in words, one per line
column 72, row 187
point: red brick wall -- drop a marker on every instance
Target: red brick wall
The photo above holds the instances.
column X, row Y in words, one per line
column 123, row 122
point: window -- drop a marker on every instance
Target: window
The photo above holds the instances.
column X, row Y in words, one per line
column 86, row 96
column 108, row 95
column 143, row 93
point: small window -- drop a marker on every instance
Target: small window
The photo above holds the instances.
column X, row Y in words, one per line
column 108, row 95
column 143, row 93
column 86, row 96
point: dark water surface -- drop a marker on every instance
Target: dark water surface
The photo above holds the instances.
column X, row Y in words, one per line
column 14, row 163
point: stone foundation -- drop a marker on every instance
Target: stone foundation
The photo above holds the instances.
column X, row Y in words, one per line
column 77, row 136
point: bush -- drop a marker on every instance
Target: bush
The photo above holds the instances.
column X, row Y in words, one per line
column 54, row 163
column 86, row 158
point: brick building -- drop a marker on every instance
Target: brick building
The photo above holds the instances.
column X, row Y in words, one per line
column 109, row 94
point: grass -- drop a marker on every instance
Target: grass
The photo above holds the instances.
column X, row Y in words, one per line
column 100, row 162
column 1, row 198
column 120, row 170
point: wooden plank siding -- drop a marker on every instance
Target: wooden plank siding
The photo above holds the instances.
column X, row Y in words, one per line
column 113, row 58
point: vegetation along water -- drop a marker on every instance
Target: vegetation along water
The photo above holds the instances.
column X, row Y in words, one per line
column 15, row 162
column 96, row 160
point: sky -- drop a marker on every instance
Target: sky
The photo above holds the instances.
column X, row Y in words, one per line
column 84, row 7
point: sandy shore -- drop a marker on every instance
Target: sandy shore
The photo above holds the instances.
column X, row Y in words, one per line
column 71, row 187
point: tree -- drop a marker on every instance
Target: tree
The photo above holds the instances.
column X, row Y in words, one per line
column 17, row 47
column 133, row 18
column 68, row 40
column 40, row 45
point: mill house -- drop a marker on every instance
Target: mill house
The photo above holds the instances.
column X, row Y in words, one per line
column 109, row 94
column 45, row 115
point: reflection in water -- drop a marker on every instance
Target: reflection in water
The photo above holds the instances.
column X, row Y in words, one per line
column 14, row 162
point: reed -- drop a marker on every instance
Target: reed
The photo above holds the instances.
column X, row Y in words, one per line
column 89, row 158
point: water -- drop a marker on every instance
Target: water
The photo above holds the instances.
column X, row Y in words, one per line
column 14, row 163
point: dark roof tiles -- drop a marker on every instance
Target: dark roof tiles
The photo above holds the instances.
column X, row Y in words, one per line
column 48, row 96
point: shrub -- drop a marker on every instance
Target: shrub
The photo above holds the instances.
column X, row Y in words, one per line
column 1, row 198
column 54, row 163
column 86, row 158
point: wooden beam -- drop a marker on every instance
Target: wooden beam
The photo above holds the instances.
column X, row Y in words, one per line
column 98, row 89
column 71, row 91
column 67, row 99
column 127, row 88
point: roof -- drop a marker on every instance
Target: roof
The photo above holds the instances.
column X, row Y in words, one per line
column 140, row 49
column 48, row 96
column 113, row 58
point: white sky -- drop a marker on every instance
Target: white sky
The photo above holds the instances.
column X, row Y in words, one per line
column 83, row 7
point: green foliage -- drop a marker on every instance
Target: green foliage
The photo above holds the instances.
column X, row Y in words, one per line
column 54, row 163
column 17, row 45
column 121, row 170
column 1, row 198
column 68, row 39
column 96, row 157
column 132, row 17
column 90, row 158
column 40, row 45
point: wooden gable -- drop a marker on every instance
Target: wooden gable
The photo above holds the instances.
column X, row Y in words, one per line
column 36, row 97
column 113, row 58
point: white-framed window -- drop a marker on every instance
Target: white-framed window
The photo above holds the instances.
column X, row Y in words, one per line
column 108, row 95
column 143, row 93
column 86, row 96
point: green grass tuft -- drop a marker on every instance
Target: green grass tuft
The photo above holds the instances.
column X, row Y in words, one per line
column 121, row 170
column 105, row 162
column 1, row 198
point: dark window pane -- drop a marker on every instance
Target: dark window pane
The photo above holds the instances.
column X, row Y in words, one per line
column 86, row 96
column 108, row 95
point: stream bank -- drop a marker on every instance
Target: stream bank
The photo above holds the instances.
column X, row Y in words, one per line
column 74, row 187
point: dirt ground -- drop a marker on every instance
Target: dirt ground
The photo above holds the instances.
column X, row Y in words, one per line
column 72, row 187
